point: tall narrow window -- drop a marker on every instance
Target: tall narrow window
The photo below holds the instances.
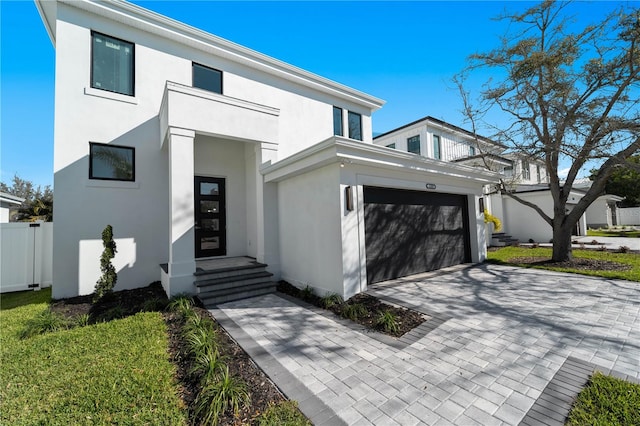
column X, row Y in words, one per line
column 112, row 64
column 413, row 144
column 472, row 150
column 207, row 78
column 337, row 122
column 526, row 172
column 355, row 126
column 436, row 148
column 111, row 162
column 538, row 173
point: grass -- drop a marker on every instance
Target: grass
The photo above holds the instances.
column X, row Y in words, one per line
column 505, row 254
column 283, row 414
column 613, row 233
column 606, row 400
column 117, row 372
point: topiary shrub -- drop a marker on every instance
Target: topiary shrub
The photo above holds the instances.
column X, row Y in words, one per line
column 489, row 218
column 109, row 276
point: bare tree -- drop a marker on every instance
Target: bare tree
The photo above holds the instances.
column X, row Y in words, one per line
column 569, row 96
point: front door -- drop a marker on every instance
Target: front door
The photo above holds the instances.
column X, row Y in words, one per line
column 210, row 220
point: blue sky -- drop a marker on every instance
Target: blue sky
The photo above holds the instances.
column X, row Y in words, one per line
column 402, row 52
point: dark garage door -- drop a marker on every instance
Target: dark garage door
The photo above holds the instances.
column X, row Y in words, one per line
column 408, row 232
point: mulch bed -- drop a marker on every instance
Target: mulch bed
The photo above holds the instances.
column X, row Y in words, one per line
column 576, row 263
column 152, row 298
column 407, row 319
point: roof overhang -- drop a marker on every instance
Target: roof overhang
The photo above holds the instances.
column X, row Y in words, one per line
column 154, row 23
column 337, row 150
column 10, row 199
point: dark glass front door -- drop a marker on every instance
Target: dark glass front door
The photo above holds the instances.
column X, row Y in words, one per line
column 211, row 224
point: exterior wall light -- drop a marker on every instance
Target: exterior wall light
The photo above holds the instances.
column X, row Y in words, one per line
column 431, row 186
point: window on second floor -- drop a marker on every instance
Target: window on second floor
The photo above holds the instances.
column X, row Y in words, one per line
column 355, row 126
column 337, row 122
column 207, row 78
column 472, row 150
column 437, row 154
column 413, row 144
column 526, row 171
column 392, row 146
column 538, row 173
column 508, row 171
column 112, row 64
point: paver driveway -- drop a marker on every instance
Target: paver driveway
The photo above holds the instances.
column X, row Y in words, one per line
column 509, row 331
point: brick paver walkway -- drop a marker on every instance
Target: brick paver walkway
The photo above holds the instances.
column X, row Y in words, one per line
column 509, row 331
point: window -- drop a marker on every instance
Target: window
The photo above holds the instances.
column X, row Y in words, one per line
column 413, row 144
column 112, row 64
column 337, row 121
column 508, row 171
column 111, row 162
column 538, row 173
column 392, row 146
column 526, row 172
column 472, row 150
column 355, row 126
column 207, row 78
column 436, row 147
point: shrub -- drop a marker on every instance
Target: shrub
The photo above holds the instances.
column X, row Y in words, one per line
column 109, row 276
column 489, row 218
column 200, row 340
column 284, row 413
column 223, row 393
column 331, row 300
column 307, row 293
column 353, row 311
column 388, row 322
column 623, row 249
column 82, row 320
column 602, row 248
column 181, row 304
column 207, row 366
column 46, row 321
column 154, row 304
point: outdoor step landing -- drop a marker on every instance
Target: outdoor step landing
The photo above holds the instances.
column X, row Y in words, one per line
column 232, row 281
column 216, row 297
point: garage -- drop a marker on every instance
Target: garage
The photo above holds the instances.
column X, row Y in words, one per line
column 409, row 232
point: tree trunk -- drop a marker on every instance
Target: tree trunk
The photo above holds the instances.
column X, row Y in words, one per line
column 562, row 243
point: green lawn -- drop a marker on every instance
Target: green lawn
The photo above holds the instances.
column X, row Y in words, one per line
column 116, row 372
column 613, row 233
column 505, row 254
column 606, row 400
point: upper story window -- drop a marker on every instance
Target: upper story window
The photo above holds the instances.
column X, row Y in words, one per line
column 337, row 122
column 508, row 171
column 437, row 154
column 472, row 150
column 111, row 162
column 413, row 144
column 538, row 173
column 526, row 171
column 392, row 146
column 112, row 64
column 355, row 126
column 207, row 78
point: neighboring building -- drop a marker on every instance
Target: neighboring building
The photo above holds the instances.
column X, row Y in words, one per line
column 193, row 147
column 8, row 202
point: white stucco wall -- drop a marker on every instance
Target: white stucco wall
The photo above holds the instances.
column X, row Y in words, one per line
column 524, row 223
column 139, row 211
column 598, row 213
column 310, row 230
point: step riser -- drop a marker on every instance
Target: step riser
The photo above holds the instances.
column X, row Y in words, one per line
column 239, row 296
column 239, row 289
column 226, row 274
column 230, row 284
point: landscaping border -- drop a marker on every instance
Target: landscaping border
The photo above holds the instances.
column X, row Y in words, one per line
column 554, row 404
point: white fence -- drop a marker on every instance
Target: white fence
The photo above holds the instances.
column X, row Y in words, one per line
column 26, row 256
column 628, row 216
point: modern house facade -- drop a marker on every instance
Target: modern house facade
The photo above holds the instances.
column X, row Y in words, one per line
column 8, row 202
column 193, row 147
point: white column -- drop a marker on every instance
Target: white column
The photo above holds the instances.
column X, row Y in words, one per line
column 182, row 263
column 267, row 213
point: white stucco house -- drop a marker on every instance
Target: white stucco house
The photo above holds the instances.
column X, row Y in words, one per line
column 195, row 149
column 8, row 202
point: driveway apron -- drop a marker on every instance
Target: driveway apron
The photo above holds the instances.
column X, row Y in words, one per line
column 507, row 332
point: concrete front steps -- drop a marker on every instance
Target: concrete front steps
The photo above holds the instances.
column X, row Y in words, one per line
column 500, row 239
column 229, row 280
